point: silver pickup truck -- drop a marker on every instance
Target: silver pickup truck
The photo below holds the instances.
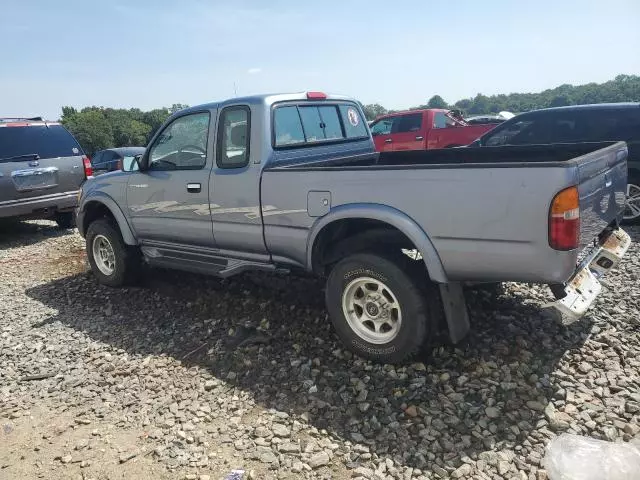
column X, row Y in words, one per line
column 292, row 182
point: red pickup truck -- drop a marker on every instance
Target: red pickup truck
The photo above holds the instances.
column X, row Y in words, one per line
column 424, row 130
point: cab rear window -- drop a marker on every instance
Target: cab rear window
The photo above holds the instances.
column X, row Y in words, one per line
column 297, row 125
column 45, row 141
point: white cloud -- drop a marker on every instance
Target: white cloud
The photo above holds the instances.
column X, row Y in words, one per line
column 254, row 71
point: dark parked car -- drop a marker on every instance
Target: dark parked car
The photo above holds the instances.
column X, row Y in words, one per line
column 580, row 123
column 111, row 159
column 41, row 170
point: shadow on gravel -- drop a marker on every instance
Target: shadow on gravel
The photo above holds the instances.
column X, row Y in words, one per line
column 16, row 233
column 297, row 366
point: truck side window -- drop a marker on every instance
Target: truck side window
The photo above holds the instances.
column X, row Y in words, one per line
column 382, row 127
column 407, row 123
column 234, row 137
column 441, row 120
column 182, row 145
column 507, row 133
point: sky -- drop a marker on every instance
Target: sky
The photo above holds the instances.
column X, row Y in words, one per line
column 154, row 53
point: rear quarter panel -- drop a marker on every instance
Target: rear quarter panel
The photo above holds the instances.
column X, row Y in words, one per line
column 487, row 223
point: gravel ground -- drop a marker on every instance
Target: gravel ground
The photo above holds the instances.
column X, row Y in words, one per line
column 191, row 377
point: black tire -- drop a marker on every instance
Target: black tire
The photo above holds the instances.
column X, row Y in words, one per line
column 419, row 317
column 633, row 221
column 65, row 220
column 127, row 259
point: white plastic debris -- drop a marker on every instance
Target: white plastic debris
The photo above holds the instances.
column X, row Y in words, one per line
column 235, row 475
column 572, row 457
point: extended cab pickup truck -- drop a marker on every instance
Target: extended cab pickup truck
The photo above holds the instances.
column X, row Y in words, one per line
column 292, row 182
column 424, row 130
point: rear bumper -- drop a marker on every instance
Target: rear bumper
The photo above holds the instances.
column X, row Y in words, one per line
column 583, row 287
column 39, row 207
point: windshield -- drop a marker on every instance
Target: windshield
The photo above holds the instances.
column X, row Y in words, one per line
column 46, row 142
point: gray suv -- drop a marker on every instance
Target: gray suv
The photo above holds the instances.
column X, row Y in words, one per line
column 42, row 167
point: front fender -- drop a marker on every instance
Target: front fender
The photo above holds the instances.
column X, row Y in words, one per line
column 110, row 203
column 390, row 216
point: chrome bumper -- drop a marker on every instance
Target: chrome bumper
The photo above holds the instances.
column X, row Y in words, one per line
column 583, row 287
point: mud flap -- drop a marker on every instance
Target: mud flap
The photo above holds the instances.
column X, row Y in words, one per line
column 455, row 310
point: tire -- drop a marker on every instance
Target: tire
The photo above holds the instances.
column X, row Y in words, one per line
column 417, row 319
column 125, row 261
column 65, row 220
column 633, row 193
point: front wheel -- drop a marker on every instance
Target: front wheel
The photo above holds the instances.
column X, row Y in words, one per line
column 378, row 309
column 632, row 208
column 113, row 262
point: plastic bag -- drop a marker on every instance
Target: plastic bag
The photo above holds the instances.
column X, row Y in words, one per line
column 572, row 457
column 235, row 475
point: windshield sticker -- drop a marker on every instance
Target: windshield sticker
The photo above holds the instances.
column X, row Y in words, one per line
column 75, row 150
column 353, row 116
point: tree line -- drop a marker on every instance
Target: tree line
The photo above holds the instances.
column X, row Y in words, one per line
column 97, row 128
column 624, row 88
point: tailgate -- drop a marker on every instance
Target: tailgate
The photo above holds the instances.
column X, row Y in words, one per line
column 38, row 158
column 602, row 183
column 32, row 178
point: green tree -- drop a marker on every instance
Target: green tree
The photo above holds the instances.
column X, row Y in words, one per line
column 155, row 118
column 437, row 102
column 97, row 128
column 90, row 127
column 373, row 111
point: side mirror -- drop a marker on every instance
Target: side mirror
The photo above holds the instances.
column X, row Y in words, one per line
column 132, row 164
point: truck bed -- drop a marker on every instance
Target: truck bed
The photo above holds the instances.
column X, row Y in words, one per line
column 485, row 210
column 515, row 156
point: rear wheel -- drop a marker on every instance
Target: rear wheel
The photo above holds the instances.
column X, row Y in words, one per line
column 379, row 310
column 113, row 262
column 65, row 220
column 632, row 209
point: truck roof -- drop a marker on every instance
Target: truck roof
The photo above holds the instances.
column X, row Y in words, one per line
column 267, row 99
column 417, row 110
column 591, row 106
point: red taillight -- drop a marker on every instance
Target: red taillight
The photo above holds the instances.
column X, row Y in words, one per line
column 316, row 96
column 564, row 220
column 88, row 169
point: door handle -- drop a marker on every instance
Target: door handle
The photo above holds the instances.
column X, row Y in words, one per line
column 388, row 140
column 419, row 138
column 194, row 187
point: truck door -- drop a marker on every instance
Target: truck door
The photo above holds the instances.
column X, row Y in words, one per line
column 381, row 132
column 234, row 187
column 445, row 132
column 168, row 203
column 406, row 132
